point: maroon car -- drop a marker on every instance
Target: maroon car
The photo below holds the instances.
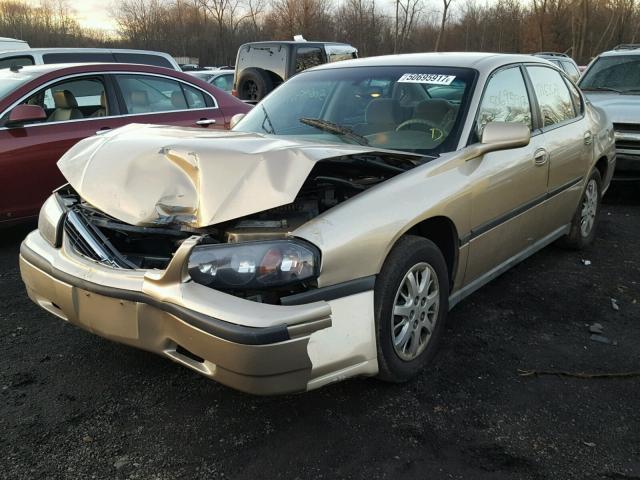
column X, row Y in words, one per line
column 46, row 109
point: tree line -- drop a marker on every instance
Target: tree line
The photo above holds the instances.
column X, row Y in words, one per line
column 212, row 30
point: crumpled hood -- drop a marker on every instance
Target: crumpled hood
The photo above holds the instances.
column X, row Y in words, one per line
column 148, row 174
column 619, row 108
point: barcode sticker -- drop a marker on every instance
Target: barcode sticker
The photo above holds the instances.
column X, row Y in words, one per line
column 432, row 78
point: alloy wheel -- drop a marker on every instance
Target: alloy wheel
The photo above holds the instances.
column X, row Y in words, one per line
column 589, row 208
column 415, row 310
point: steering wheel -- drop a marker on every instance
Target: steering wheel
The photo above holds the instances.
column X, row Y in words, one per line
column 417, row 121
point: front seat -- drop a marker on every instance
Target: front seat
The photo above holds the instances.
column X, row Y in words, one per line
column 66, row 107
column 102, row 111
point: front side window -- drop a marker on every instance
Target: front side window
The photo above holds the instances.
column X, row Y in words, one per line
column 386, row 107
column 72, row 100
column 505, row 99
column 307, row 57
column 617, row 72
column 554, row 99
column 149, row 94
column 77, row 57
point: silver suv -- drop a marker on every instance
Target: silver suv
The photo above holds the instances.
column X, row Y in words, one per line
column 612, row 82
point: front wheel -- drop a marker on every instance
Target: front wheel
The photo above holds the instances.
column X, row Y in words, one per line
column 585, row 220
column 411, row 304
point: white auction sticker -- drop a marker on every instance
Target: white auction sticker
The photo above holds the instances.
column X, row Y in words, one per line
column 432, row 78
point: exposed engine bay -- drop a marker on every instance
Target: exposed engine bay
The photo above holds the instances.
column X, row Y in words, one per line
column 329, row 183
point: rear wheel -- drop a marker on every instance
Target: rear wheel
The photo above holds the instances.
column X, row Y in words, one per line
column 411, row 304
column 254, row 84
column 585, row 220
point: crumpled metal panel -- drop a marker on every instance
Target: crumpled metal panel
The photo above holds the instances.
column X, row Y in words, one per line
column 148, row 174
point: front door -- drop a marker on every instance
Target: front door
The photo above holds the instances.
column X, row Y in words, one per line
column 508, row 186
column 76, row 109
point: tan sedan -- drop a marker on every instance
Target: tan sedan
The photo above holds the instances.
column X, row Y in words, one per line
column 328, row 235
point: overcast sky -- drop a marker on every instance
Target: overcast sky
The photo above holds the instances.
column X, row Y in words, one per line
column 90, row 13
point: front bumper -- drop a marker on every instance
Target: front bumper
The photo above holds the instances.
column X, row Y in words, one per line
column 253, row 347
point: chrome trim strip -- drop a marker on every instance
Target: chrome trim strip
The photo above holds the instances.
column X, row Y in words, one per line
column 114, row 72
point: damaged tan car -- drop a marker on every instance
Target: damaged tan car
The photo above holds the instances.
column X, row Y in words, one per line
column 328, row 235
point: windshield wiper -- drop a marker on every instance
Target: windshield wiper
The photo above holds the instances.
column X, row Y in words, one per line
column 632, row 91
column 335, row 129
column 267, row 120
column 602, row 89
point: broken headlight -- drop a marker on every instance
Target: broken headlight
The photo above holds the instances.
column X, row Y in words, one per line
column 254, row 265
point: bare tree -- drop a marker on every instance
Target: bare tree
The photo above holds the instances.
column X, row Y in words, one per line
column 443, row 23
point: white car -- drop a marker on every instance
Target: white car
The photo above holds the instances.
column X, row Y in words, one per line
column 40, row 56
column 12, row 44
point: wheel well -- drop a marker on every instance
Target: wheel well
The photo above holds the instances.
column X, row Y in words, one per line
column 442, row 232
column 602, row 164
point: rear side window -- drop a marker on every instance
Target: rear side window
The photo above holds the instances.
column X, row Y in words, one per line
column 307, row 57
column 505, row 99
column 150, row 94
column 195, row 98
column 142, row 58
column 224, row 82
column 77, row 57
column 556, row 105
column 17, row 61
column 576, row 98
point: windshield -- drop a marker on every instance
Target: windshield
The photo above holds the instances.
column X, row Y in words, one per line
column 616, row 73
column 413, row 109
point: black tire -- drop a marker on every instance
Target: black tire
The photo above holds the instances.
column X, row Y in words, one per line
column 576, row 238
column 409, row 252
column 254, row 84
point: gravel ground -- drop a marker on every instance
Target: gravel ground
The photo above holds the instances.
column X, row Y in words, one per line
column 75, row 406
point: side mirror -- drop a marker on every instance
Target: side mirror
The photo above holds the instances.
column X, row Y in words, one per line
column 504, row 135
column 25, row 114
column 236, row 119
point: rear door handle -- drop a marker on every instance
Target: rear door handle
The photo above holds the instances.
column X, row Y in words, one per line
column 205, row 122
column 588, row 138
column 540, row 157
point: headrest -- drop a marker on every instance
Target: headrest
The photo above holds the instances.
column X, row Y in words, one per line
column 381, row 110
column 139, row 98
column 64, row 99
column 177, row 100
column 434, row 108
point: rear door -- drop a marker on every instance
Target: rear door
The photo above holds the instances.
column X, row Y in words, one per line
column 146, row 98
column 77, row 107
column 566, row 140
column 510, row 185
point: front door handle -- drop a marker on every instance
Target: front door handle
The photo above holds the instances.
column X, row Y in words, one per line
column 205, row 122
column 588, row 138
column 540, row 157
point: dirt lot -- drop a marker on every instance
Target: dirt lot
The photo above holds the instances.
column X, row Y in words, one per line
column 75, row 406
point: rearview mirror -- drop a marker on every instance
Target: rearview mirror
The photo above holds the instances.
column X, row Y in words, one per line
column 504, row 135
column 235, row 120
column 25, row 114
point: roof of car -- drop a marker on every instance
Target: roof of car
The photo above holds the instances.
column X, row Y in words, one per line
column 87, row 50
column 474, row 60
column 295, row 42
column 36, row 71
column 625, row 50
